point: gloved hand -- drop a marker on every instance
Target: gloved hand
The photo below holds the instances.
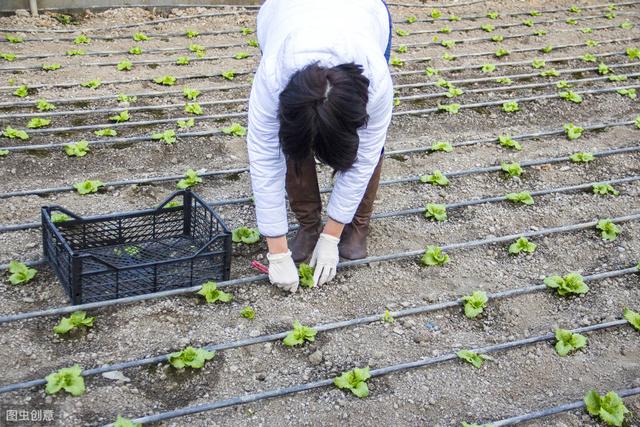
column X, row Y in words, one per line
column 325, row 259
column 283, row 272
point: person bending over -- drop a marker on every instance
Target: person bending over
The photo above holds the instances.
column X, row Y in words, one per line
column 322, row 90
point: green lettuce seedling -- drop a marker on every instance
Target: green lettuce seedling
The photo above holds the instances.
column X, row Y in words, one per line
column 453, row 92
column 436, row 211
column 21, row 92
column 123, row 116
column 527, row 22
column 502, row 52
column 626, row 25
column 299, row 335
column 140, row 37
column 572, row 283
column 609, row 408
column 475, row 304
column 236, row 129
column 246, row 31
column 248, row 313
column 436, row 178
column 135, row 50
column 387, row 317
column 510, row 107
column 77, row 149
column 603, row 68
column 355, row 381
column 245, row 235
column 487, row 27
column 572, row 131
column 403, row 48
column 448, row 43
column 571, row 96
column 165, row 80
column 504, row 80
column 448, row 57
column 168, row 136
column 592, row 43
column 183, row 60
column 589, row 57
column 67, row 379
column 402, row 33
column 534, row 12
column 76, row 320
column 605, row 189
column 211, row 293
column 453, row 18
column 12, row 133
column 57, row 217
column 106, row 132
column 633, row 53
column 51, row 67
column 442, row 146
column 241, row 55
column 586, row 30
column 443, row 83
column 190, row 357
column 38, row 122
column 522, row 245
column 396, row 62
column 43, row 105
column 124, row 65
column 20, row 273
column 493, row 15
column 88, row 187
column 563, row 84
column 617, row 78
column 430, row 71
column 632, row 317
column 552, row 72
column 190, row 179
column 124, row 422
column 449, row 108
column 610, row 231
column 253, row 43
column 184, row 124
column 3, row 152
column 190, row 94
column 631, row 93
column 568, row 342
column 305, row 274
column 92, row 84
column 82, row 39
column 523, row 197
column 126, row 98
column 228, row 75
column 193, row 108
column 75, row 52
column 410, row 19
column 497, row 38
column 8, row 56
column 513, row 169
column 192, row 34
column 194, row 47
column 488, row 68
column 582, row 157
column 473, row 358
column 434, row 256
column 507, row 142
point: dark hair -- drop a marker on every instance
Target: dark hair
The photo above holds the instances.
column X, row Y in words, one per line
column 320, row 112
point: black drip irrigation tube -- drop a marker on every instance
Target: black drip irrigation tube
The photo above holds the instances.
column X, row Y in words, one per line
column 566, row 407
column 372, row 259
column 241, row 400
column 322, row 327
column 244, row 200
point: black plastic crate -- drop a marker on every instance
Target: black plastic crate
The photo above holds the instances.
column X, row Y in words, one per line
column 135, row 253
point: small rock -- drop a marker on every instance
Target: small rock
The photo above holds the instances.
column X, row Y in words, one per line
column 22, row 13
column 261, row 376
column 316, row 358
column 116, row 376
column 255, row 333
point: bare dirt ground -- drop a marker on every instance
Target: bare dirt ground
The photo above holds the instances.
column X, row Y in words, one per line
column 521, row 380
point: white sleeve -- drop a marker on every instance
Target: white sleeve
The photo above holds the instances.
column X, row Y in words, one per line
column 267, row 164
column 350, row 185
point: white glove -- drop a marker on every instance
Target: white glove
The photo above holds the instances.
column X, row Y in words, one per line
column 283, row 272
column 325, row 259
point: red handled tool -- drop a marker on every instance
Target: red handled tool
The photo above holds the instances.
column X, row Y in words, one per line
column 260, row 267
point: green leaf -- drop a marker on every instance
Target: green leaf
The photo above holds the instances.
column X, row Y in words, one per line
column 241, row 55
column 475, row 304
column 453, row 18
column 211, row 293
column 193, row 47
column 21, row 91
column 228, row 75
column 592, row 43
column 387, row 317
column 76, row 320
column 77, row 149
column 434, row 256
column 410, row 19
column 497, row 38
column 124, row 65
column 88, row 187
column 402, row 33
column 540, row 33
column 538, row 63
column 165, row 80
column 592, row 402
column 43, row 105
column 236, row 129
column 190, row 357
column 632, row 317
column 522, row 245
column 571, row 96
column 501, row 52
column 92, row 84
column 552, row 72
column 67, row 379
column 572, row 283
column 248, row 313
column 190, row 179
column 493, row 15
column 20, row 273
column 192, row 34
column 299, row 335
column 582, row 157
column 487, row 27
column 125, row 98
column 190, row 94
column 603, row 68
column 488, row 68
column 183, row 60
column 184, row 124
column 38, row 122
column 448, row 57
column 193, row 108
column 82, row 39
column 8, row 56
column 472, row 357
column 527, row 22
column 436, row 178
column 51, row 67
column 563, row 84
column 633, row 53
column 575, row 9
column 448, row 43
column 572, row 131
column 507, row 142
column 626, row 25
column 631, row 92
column 568, row 342
column 453, row 92
column 124, row 422
column 396, row 62
column 610, row 231
column 57, row 217
column 305, row 274
column 589, row 57
column 402, row 48
column 430, row 71
column 13, row 39
column 534, row 13
column 510, row 107
column 135, row 50
column 609, row 408
column 245, row 235
column 12, row 133
column 253, row 43
column 442, row 146
column 75, row 52
column 504, row 80
column 246, row 31
column 513, row 169
column 605, row 189
column 449, row 108
column 617, row 78
column 445, row 30
column 3, row 152
column 355, row 381
column 106, row 132
column 436, row 211
column 140, row 37
column 122, row 116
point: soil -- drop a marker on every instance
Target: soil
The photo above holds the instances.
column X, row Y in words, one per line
column 521, row 380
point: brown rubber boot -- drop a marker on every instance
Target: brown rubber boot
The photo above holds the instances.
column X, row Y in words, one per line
column 353, row 242
column 304, row 199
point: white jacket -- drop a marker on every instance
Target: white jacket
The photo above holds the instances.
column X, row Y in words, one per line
column 292, row 34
